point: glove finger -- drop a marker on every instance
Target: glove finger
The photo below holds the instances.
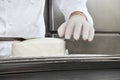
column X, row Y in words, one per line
column 91, row 34
column 69, row 29
column 85, row 32
column 61, row 30
column 77, row 31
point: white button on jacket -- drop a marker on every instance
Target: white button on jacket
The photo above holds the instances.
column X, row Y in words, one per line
column 24, row 18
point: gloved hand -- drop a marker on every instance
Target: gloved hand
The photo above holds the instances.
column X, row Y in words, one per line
column 77, row 25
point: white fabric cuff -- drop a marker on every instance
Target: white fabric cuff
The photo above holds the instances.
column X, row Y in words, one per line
column 68, row 7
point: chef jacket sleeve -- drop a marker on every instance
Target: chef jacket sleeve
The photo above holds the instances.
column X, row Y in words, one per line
column 69, row 6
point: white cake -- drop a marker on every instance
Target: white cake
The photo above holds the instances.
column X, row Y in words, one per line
column 43, row 47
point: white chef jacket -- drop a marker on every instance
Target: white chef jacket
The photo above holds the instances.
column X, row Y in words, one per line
column 24, row 18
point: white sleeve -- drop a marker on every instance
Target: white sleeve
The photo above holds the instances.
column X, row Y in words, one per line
column 69, row 6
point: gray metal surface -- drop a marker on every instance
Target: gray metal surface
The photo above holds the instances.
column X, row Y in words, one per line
column 106, row 15
column 21, row 65
column 66, row 75
column 12, row 39
column 108, row 44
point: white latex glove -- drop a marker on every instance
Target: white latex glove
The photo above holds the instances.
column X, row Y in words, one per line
column 77, row 25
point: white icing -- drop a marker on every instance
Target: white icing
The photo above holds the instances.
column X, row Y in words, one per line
column 43, row 47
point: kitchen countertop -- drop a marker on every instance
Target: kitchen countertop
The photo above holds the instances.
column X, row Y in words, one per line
column 107, row 74
column 61, row 68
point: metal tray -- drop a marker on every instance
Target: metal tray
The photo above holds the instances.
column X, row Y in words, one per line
column 19, row 65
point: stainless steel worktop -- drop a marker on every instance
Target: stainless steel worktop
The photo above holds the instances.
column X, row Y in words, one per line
column 66, row 75
column 21, row 65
